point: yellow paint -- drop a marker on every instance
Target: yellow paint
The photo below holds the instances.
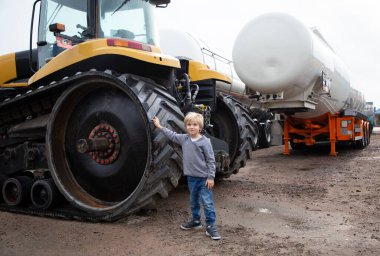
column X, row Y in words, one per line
column 13, row 85
column 8, row 67
column 199, row 71
column 99, row 47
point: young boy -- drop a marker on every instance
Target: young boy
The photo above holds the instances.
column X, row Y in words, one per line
column 199, row 167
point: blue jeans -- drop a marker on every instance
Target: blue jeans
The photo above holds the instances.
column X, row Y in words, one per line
column 200, row 194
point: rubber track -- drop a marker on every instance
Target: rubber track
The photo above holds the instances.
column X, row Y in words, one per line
column 246, row 134
column 166, row 167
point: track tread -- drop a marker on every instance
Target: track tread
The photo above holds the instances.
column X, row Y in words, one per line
column 166, row 164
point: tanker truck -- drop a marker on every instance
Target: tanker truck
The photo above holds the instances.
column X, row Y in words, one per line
column 76, row 137
column 299, row 75
column 186, row 45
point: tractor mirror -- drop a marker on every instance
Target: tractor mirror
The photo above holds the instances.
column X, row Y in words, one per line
column 57, row 27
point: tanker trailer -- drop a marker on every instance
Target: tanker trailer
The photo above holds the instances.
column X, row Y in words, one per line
column 298, row 74
column 76, row 137
column 185, row 45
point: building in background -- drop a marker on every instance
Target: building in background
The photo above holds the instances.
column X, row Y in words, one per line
column 377, row 117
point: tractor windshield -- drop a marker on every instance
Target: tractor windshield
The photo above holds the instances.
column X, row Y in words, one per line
column 84, row 20
column 128, row 19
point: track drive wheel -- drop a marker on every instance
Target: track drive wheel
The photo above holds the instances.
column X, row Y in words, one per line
column 233, row 124
column 103, row 152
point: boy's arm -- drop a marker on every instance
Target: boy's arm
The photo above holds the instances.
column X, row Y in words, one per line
column 210, row 161
column 177, row 138
column 173, row 136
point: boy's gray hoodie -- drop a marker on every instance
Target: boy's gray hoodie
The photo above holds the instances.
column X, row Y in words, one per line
column 198, row 156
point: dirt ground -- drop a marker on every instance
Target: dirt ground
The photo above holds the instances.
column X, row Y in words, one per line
column 307, row 203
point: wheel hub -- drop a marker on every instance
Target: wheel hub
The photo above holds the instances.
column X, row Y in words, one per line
column 103, row 144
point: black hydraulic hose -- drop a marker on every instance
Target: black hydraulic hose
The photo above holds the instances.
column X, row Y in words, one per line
column 188, row 90
column 31, row 38
column 195, row 92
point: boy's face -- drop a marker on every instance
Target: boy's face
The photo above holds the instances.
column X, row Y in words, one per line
column 193, row 128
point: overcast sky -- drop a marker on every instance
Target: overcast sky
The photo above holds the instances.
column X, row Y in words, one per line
column 351, row 27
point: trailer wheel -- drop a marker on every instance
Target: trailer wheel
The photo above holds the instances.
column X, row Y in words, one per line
column 362, row 143
column 297, row 146
column 368, row 136
column 265, row 137
column 256, row 135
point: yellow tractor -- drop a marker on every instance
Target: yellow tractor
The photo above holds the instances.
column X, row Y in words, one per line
column 76, row 137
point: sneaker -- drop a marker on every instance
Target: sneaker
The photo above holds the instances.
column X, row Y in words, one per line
column 191, row 224
column 213, row 232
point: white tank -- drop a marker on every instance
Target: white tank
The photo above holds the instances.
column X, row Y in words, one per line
column 279, row 56
column 184, row 45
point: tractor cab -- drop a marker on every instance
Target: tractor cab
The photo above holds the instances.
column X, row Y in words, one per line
column 65, row 23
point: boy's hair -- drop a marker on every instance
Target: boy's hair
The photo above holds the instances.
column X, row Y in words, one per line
column 194, row 117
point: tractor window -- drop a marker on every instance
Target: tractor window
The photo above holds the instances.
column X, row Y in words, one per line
column 73, row 14
column 132, row 20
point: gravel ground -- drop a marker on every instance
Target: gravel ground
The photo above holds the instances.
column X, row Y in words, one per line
column 307, row 203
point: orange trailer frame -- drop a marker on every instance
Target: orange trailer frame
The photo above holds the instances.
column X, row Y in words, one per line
column 333, row 127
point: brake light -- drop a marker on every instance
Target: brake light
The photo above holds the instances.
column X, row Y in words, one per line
column 128, row 44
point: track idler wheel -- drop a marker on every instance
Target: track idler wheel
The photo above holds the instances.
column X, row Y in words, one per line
column 16, row 191
column 44, row 194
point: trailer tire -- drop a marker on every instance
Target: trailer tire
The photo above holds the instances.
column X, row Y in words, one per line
column 265, row 137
